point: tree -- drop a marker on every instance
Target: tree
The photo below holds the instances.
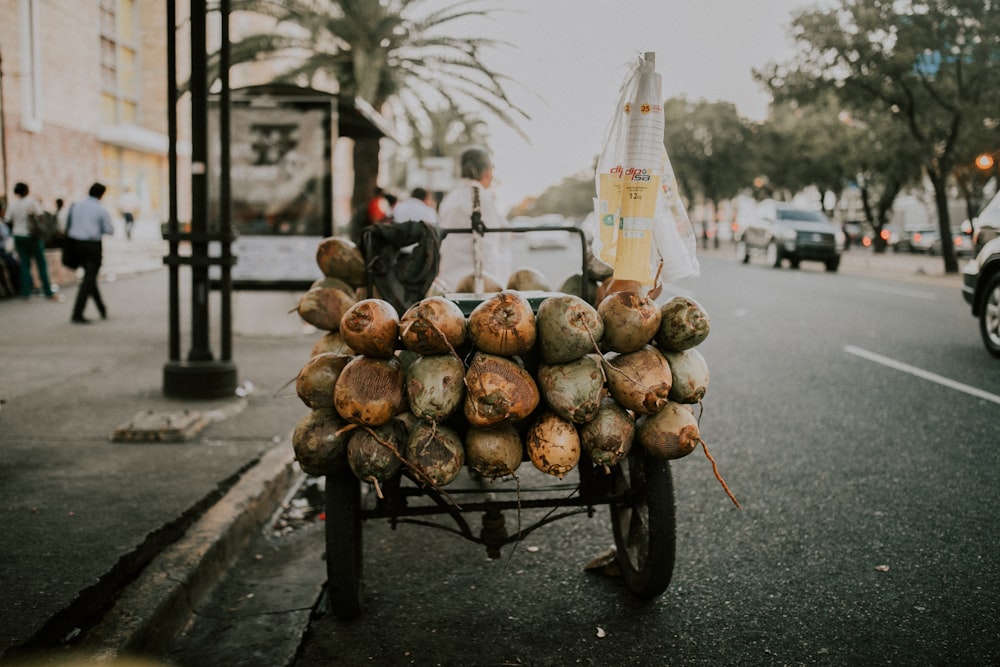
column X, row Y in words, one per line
column 397, row 55
column 929, row 64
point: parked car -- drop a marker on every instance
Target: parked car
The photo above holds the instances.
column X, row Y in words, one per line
column 782, row 231
column 981, row 289
column 918, row 240
column 987, row 225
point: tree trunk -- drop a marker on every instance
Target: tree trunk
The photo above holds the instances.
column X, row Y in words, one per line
column 366, row 152
column 938, row 179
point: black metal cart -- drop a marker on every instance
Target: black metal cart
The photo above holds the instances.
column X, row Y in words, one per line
column 638, row 492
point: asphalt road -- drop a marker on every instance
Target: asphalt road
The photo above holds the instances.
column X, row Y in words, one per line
column 856, row 420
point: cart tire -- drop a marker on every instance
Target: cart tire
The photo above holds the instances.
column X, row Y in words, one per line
column 343, row 545
column 644, row 523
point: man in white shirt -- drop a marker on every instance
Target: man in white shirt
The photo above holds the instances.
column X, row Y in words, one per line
column 418, row 208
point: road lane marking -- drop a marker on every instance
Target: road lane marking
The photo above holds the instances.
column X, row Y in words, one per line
column 898, row 291
column 921, row 373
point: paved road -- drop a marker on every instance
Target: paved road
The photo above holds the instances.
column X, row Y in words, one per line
column 840, row 414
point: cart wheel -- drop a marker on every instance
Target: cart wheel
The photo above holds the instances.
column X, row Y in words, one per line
column 343, row 544
column 644, row 523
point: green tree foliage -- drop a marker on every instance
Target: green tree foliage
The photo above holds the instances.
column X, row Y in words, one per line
column 412, row 57
column 933, row 66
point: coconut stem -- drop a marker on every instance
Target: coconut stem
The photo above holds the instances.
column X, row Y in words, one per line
column 715, row 469
column 417, row 472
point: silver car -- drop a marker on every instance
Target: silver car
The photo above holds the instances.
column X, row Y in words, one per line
column 781, row 231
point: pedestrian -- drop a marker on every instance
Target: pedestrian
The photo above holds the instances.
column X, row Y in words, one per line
column 10, row 268
column 25, row 218
column 417, row 207
column 455, row 212
column 379, row 208
column 86, row 224
column 128, row 204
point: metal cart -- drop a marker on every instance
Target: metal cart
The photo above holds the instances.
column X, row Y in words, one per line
column 638, row 491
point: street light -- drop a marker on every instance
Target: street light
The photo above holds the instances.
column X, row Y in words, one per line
column 985, row 161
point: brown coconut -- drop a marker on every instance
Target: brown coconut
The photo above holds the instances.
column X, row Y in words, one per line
column 315, row 382
column 568, row 328
column 527, row 279
column 338, row 257
column 493, row 452
column 467, row 284
column 553, row 444
column 608, row 437
column 435, row 386
column 670, row 433
column 371, row 327
column 319, row 442
column 630, row 321
column 689, row 376
column 435, row 452
column 639, row 380
column 573, row 390
column 498, row 390
column 370, row 390
column 323, row 307
column 683, row 324
column 331, row 341
column 374, row 455
column 434, row 325
column 503, row 324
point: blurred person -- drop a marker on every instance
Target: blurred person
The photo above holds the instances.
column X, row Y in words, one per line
column 86, row 224
column 455, row 212
column 379, row 208
column 417, row 207
column 22, row 214
column 127, row 204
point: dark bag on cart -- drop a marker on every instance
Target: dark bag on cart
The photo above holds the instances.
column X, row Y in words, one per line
column 401, row 260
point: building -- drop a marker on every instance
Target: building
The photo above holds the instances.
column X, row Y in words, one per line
column 84, row 98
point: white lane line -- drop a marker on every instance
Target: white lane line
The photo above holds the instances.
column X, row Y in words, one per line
column 898, row 291
column 920, row 373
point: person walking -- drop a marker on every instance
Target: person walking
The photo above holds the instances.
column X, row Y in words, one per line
column 127, row 204
column 25, row 217
column 86, row 224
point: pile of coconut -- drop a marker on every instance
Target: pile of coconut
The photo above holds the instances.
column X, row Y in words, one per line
column 430, row 391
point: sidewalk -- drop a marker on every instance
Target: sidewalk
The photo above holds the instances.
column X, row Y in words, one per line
column 83, row 515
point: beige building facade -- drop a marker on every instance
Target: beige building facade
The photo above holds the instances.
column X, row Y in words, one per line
column 84, row 100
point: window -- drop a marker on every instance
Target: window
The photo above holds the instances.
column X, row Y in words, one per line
column 31, row 75
column 119, row 66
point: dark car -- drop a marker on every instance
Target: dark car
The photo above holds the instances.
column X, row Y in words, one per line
column 782, row 231
column 981, row 288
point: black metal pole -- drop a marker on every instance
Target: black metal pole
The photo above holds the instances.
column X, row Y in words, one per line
column 225, row 191
column 173, row 296
column 200, row 346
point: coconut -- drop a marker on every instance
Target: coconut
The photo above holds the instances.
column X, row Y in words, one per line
column 607, row 438
column 498, row 390
column 370, row 390
column 527, row 279
column 503, row 324
column 433, row 325
column 435, row 386
column 553, row 444
column 493, row 452
column 315, row 382
column 568, row 328
column 331, row 341
column 323, row 307
column 689, row 376
column 338, row 257
column 630, row 321
column 639, row 380
column 373, row 455
column 573, row 390
column 467, row 284
column 434, row 453
column 318, row 441
column 336, row 283
column 683, row 324
column 670, row 433
column 371, row 328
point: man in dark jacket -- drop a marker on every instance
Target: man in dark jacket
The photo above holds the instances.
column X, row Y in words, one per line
column 87, row 223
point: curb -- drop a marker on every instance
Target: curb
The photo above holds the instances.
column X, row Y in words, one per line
column 159, row 604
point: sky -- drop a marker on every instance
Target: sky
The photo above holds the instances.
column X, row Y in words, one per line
column 568, row 59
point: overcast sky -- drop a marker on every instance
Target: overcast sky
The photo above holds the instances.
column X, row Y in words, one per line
column 568, row 60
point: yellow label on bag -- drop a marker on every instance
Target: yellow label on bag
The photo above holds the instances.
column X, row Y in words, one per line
column 633, row 251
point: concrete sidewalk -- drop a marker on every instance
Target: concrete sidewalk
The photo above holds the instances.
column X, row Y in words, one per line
column 84, row 516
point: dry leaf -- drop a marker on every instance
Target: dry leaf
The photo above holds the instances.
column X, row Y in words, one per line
column 601, row 633
column 882, row 568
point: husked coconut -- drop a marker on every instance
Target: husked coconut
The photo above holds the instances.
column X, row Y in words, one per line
column 568, row 328
column 435, row 386
column 435, row 453
column 331, row 341
column 339, row 257
column 371, row 328
column 689, row 376
column 630, row 321
column 503, row 324
column 370, row 390
column 336, row 283
column 323, row 307
column 573, row 390
column 683, row 324
column 319, row 443
column 639, row 380
column 433, row 325
column 315, row 382
column 373, row 455
column 670, row 433
column 498, row 390
column 608, row 437
column 467, row 284
column 553, row 444
column 527, row 279
column 493, row 452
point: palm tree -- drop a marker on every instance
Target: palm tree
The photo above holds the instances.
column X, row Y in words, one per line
column 396, row 55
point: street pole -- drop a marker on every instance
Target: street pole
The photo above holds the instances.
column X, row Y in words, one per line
column 200, row 375
column 3, row 134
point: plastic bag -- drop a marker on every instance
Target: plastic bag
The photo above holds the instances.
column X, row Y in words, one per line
column 643, row 228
